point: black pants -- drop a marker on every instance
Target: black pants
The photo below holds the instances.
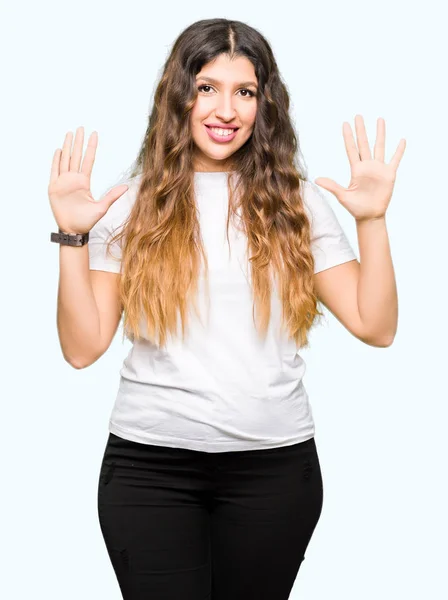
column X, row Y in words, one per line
column 187, row 525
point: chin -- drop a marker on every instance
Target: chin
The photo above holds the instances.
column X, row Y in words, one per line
column 216, row 156
column 220, row 157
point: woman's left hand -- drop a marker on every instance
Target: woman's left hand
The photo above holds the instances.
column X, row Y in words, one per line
column 372, row 180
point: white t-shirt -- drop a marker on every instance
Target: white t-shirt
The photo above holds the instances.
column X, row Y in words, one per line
column 223, row 389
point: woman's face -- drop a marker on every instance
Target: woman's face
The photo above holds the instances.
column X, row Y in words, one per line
column 226, row 97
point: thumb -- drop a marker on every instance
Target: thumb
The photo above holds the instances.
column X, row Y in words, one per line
column 330, row 185
column 113, row 195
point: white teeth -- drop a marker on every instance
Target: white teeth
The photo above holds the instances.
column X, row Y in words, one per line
column 223, row 132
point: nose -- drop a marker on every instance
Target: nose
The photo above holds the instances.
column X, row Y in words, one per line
column 225, row 108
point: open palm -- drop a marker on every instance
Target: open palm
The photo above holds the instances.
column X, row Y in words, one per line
column 372, row 180
column 72, row 203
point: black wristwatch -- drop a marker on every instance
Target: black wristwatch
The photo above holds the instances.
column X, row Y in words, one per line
column 70, row 239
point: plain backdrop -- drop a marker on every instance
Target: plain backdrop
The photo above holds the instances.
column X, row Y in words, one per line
column 380, row 414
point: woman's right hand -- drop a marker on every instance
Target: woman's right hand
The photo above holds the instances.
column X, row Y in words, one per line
column 73, row 206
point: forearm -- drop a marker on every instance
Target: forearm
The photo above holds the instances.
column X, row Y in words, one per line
column 377, row 291
column 78, row 320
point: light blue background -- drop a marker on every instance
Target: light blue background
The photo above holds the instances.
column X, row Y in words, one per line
column 381, row 414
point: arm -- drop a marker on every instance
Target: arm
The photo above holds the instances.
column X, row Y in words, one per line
column 88, row 309
column 377, row 289
column 363, row 296
column 78, row 320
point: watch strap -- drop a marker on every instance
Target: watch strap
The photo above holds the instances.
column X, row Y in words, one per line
column 69, row 239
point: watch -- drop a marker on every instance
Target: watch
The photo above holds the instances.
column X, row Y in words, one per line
column 69, row 239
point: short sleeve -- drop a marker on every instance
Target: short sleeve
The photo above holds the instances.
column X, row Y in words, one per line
column 329, row 243
column 105, row 228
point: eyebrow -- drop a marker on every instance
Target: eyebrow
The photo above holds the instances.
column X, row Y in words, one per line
column 216, row 82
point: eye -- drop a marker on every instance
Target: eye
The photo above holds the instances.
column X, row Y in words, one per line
column 204, row 86
column 249, row 94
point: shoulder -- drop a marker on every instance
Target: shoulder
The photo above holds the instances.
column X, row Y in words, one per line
column 121, row 208
column 319, row 211
column 314, row 198
column 324, row 219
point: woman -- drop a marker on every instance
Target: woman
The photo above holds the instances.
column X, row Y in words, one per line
column 210, row 485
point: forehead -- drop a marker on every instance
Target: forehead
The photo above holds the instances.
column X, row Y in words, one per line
column 224, row 70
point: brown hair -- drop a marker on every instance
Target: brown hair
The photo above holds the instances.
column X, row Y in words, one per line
column 161, row 255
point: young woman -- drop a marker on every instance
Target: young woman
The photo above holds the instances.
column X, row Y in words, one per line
column 216, row 250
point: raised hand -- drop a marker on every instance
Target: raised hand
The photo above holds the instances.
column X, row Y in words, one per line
column 73, row 206
column 372, row 180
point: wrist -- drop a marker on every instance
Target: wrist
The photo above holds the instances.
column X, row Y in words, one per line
column 70, row 231
column 371, row 219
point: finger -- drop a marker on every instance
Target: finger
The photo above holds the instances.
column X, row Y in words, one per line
column 89, row 156
column 350, row 144
column 380, row 142
column 330, row 185
column 361, row 136
column 396, row 158
column 113, row 195
column 66, row 151
column 75, row 160
column 54, row 174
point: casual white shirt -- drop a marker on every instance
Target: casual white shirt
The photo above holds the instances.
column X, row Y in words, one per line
column 222, row 389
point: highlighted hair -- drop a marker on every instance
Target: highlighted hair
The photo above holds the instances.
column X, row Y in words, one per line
column 162, row 251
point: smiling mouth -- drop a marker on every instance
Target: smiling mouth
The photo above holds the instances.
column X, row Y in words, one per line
column 222, row 131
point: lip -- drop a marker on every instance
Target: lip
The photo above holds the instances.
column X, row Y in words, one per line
column 219, row 138
column 220, row 125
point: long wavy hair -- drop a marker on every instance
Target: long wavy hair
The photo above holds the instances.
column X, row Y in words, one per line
column 162, row 249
